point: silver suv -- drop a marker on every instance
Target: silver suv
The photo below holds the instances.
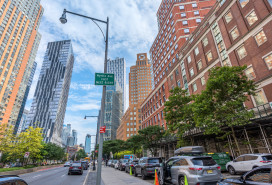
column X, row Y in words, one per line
column 197, row 170
column 247, row 162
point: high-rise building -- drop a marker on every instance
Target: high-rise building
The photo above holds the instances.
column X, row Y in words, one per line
column 74, row 135
column 140, row 85
column 118, row 68
column 113, row 110
column 19, row 41
column 176, row 21
column 22, row 123
column 51, row 94
column 88, row 144
column 22, row 109
column 70, row 141
column 66, row 132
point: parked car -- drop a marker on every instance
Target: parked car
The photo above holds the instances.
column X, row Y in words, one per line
column 146, row 166
column 191, row 165
column 113, row 163
column 11, row 179
column 257, row 176
column 85, row 165
column 131, row 164
column 109, row 162
column 75, row 168
column 122, row 164
column 247, row 162
column 116, row 165
column 67, row 164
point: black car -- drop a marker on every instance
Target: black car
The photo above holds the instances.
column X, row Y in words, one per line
column 122, row 164
column 146, row 166
column 75, row 168
column 131, row 164
column 257, row 176
column 11, row 179
column 85, row 165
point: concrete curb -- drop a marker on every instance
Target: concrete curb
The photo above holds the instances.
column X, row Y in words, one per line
column 19, row 172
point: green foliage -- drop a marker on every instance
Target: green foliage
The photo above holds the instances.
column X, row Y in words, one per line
column 81, row 154
column 120, row 155
column 113, row 146
column 152, row 136
column 134, row 143
column 52, row 151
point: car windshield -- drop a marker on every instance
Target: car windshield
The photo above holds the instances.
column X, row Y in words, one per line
column 267, row 158
column 124, row 161
column 203, row 161
column 76, row 164
column 154, row 161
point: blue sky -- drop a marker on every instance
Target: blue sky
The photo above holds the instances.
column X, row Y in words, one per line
column 133, row 27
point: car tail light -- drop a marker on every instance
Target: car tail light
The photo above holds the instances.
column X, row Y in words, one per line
column 265, row 161
column 71, row 168
column 218, row 167
column 79, row 167
column 196, row 169
column 198, row 184
column 149, row 171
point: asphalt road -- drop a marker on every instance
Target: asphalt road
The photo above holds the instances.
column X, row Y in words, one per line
column 54, row 176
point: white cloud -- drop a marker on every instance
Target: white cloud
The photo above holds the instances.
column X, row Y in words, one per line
column 91, row 105
column 77, row 86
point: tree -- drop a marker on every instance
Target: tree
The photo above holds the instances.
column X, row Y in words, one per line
column 134, row 143
column 53, row 151
column 113, row 146
column 8, row 143
column 81, row 154
column 220, row 105
column 179, row 113
column 151, row 136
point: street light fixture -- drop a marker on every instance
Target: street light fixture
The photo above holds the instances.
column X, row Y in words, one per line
column 63, row 19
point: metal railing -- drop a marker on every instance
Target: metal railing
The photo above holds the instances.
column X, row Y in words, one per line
column 262, row 111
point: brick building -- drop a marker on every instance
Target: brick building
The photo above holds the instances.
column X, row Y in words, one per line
column 234, row 33
column 140, row 85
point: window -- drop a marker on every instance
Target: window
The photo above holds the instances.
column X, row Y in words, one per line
column 260, row 98
column 186, row 31
column 194, row 5
column 178, row 83
column 268, row 61
column 234, row 33
column 252, row 18
column 243, row 2
column 209, row 56
column 228, row 17
column 184, row 22
column 194, row 87
column 196, row 51
column 250, row 73
column 181, row 162
column 181, row 7
column 196, row 12
column 198, row 20
column 261, row 175
column 189, row 59
column 242, row 52
column 127, row 135
column 192, row 72
column 199, row 65
column 205, row 41
column 183, row 14
column 260, row 38
column 203, row 81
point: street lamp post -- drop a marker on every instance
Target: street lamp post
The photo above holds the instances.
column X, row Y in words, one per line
column 63, row 20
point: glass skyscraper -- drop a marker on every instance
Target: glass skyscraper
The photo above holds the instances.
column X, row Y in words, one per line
column 51, row 94
column 88, row 144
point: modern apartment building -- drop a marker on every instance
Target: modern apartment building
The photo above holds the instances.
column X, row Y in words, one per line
column 19, row 41
column 176, row 20
column 118, row 68
column 51, row 94
column 22, row 123
column 113, row 110
column 22, row 109
column 88, row 143
column 140, row 85
column 233, row 33
column 66, row 132
column 74, row 135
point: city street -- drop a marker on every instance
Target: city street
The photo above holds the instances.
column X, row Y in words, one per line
column 54, row 176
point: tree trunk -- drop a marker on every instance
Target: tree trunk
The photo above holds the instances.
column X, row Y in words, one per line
column 235, row 140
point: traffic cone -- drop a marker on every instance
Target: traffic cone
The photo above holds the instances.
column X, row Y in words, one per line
column 156, row 181
column 185, row 180
column 130, row 171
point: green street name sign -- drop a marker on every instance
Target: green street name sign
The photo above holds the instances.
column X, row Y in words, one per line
column 104, row 79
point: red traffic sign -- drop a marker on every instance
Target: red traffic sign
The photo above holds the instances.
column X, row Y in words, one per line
column 102, row 130
column 26, row 155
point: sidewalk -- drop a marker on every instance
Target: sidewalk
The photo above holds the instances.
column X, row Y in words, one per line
column 111, row 176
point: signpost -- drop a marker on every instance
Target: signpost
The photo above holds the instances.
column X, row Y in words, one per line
column 104, row 79
column 102, row 130
column 26, row 155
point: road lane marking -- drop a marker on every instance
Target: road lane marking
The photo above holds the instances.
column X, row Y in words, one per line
column 62, row 175
column 86, row 178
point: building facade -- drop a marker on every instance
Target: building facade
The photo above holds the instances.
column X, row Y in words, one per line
column 66, row 132
column 118, row 68
column 88, row 144
column 19, row 41
column 23, row 120
column 140, row 85
column 74, row 135
column 233, row 33
column 22, row 109
column 51, row 94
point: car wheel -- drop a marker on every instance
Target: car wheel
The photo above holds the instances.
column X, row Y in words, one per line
column 143, row 175
column 181, row 180
column 161, row 180
column 231, row 170
column 69, row 173
column 135, row 174
column 255, row 167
